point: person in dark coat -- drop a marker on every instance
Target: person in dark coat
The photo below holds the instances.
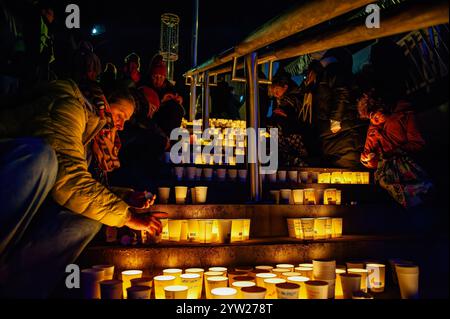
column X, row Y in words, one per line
column 286, row 118
column 329, row 95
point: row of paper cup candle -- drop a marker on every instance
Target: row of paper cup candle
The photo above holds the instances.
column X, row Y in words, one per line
column 320, row 280
column 344, row 178
column 197, row 173
column 308, row 196
column 207, row 231
column 315, row 228
column 198, row 194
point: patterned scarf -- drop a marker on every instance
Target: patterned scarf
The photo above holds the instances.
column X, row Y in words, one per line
column 106, row 144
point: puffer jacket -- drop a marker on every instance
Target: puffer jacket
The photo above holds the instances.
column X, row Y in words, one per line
column 60, row 116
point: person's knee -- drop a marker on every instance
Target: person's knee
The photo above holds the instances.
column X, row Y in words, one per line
column 44, row 158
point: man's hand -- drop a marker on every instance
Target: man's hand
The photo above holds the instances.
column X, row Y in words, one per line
column 148, row 222
column 140, row 200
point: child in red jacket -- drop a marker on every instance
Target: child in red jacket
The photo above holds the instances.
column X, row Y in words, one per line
column 391, row 138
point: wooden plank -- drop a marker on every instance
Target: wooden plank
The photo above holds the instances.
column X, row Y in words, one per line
column 415, row 16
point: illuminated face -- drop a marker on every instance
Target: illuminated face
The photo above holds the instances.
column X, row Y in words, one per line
column 158, row 80
column 377, row 118
column 121, row 111
column 279, row 91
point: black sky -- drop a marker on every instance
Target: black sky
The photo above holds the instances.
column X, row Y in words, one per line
column 134, row 25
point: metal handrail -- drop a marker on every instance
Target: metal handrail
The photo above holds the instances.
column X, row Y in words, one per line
column 302, row 17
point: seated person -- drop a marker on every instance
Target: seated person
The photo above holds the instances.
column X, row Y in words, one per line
column 52, row 207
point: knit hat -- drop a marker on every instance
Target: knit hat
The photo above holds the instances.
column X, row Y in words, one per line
column 158, row 66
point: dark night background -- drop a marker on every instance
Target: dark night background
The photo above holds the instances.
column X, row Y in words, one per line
column 134, row 26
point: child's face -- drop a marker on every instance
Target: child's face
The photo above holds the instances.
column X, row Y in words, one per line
column 377, row 118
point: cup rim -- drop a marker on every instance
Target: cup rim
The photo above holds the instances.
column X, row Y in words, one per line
column 288, row 285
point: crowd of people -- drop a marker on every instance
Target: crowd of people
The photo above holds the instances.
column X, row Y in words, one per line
column 65, row 141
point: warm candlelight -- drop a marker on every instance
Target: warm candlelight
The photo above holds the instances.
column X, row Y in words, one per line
column 224, row 293
column 263, row 276
column 300, row 280
column 173, row 272
column 160, row 282
column 270, row 285
column 336, row 227
column 127, row 275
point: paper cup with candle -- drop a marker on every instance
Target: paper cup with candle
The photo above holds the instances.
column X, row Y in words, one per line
column 324, row 269
column 270, row 285
column 127, row 275
column 194, row 283
column 237, row 227
column 307, row 228
column 191, row 173
column 224, row 230
column 205, row 227
column 338, row 290
column 286, row 267
column 201, row 194
column 192, row 230
column 320, row 231
column 282, row 176
column 160, row 282
column 301, row 281
column 143, row 281
column 243, row 175
column 174, row 230
column 232, row 174
column 224, row 293
column 208, row 173
column 246, row 229
column 285, row 196
column 364, row 277
column 176, row 292
column 298, row 196
column 336, row 226
column 238, row 285
column 179, row 173
column 254, row 292
column 180, row 194
column 377, row 277
column 163, row 195
column 263, row 276
column 350, row 284
column 215, row 282
column 111, row 289
column 288, row 290
column 316, row 289
column 324, row 178
column 138, row 292
column 233, row 274
column 293, row 176
column 408, row 280
column 285, row 275
column 309, row 196
column 221, row 174
column 329, row 197
column 275, row 196
column 173, row 272
column 304, row 271
column 336, row 178
column 109, row 271
column 90, row 282
column 303, row 177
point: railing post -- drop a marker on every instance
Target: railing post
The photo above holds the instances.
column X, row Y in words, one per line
column 251, row 68
column 193, row 98
column 205, row 98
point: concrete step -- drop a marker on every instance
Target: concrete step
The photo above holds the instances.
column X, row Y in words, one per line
column 270, row 220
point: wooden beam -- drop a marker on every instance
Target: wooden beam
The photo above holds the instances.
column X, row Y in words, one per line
column 414, row 16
